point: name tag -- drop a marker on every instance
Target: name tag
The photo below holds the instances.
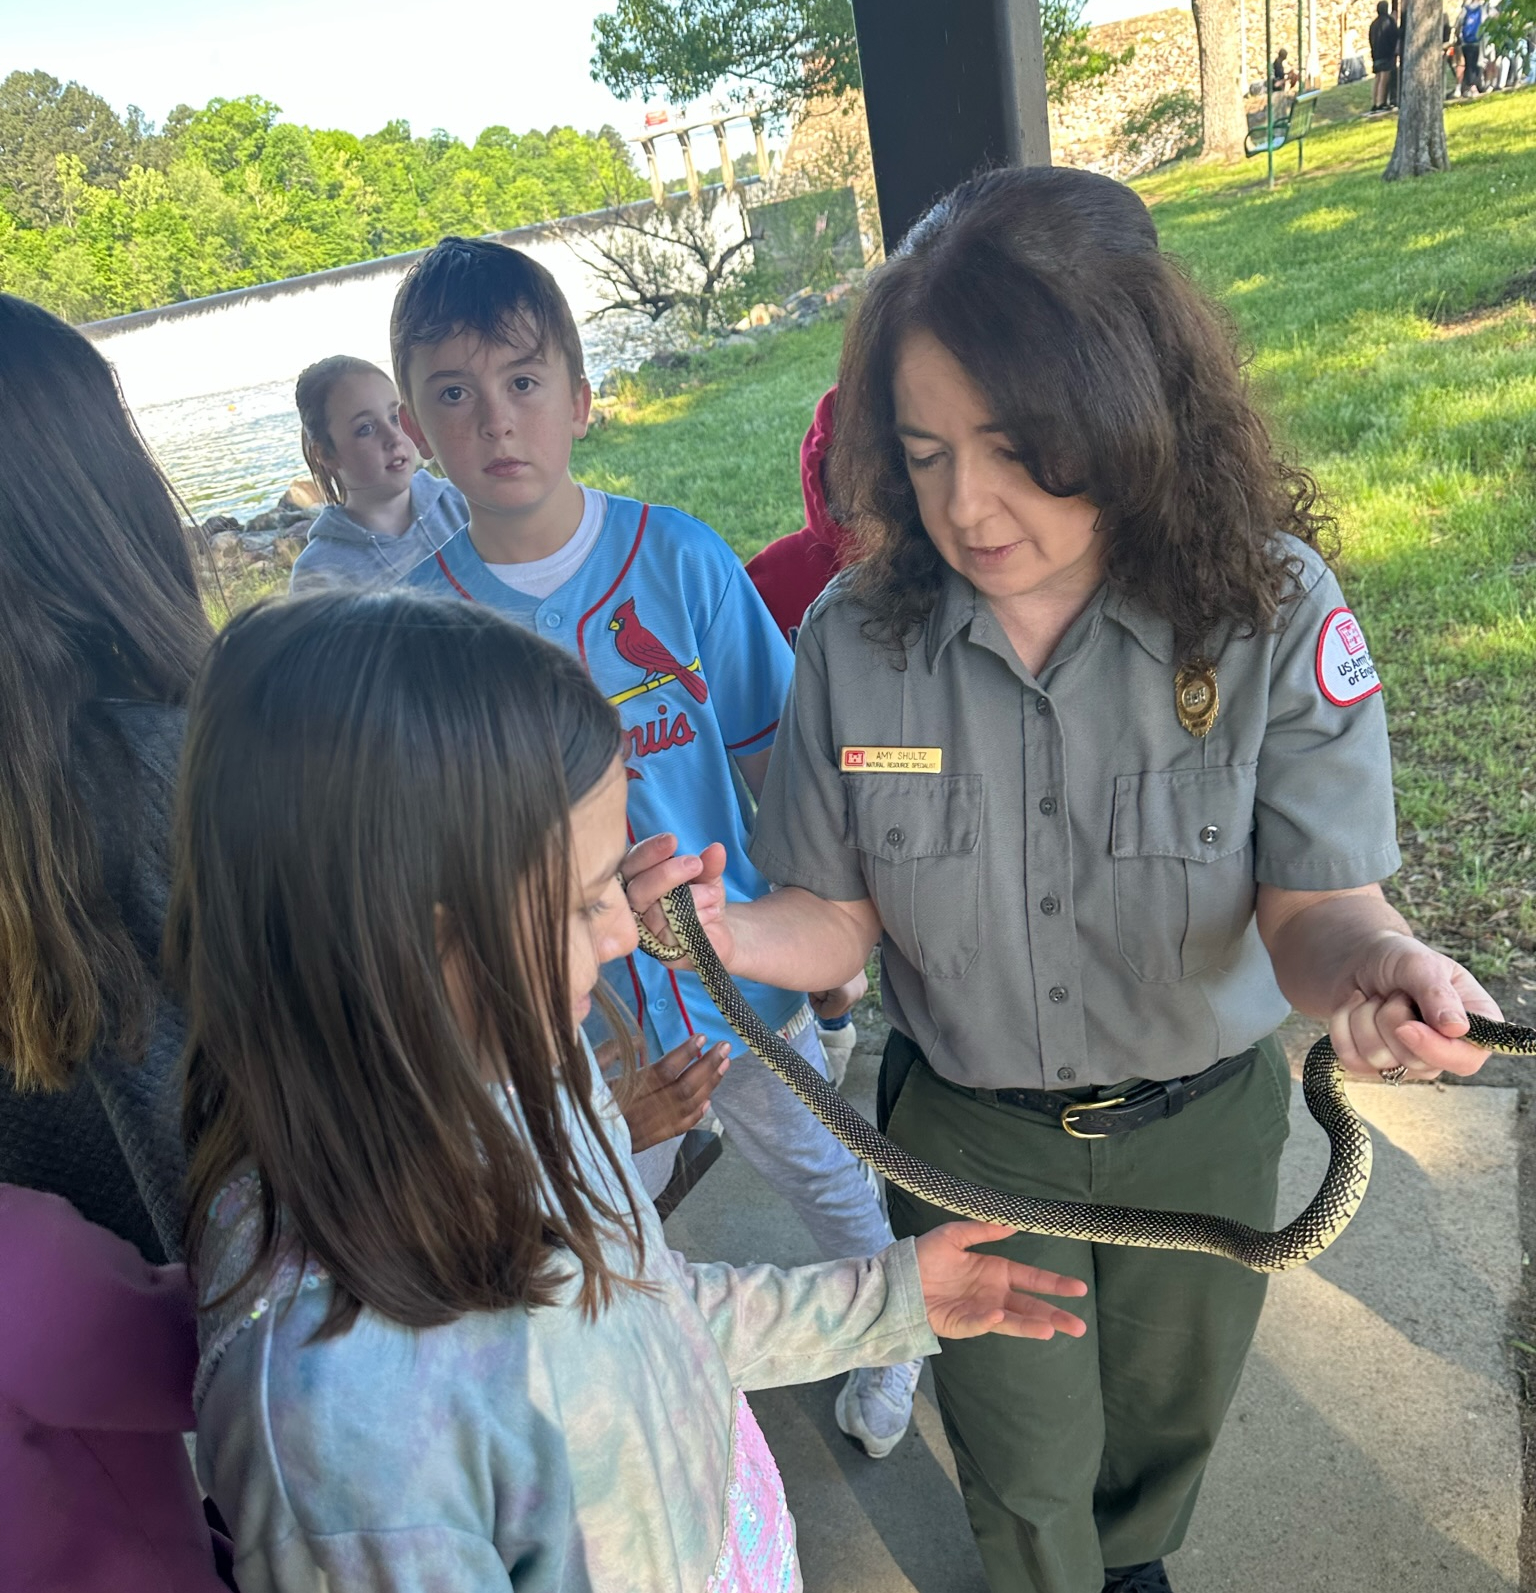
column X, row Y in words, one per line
column 892, row 760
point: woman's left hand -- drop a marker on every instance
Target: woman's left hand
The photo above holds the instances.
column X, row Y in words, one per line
column 1409, row 1009
column 968, row 1295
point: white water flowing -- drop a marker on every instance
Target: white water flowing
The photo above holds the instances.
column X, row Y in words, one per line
column 211, row 381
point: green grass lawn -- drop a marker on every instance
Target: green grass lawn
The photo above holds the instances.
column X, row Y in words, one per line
column 721, row 439
column 1390, row 342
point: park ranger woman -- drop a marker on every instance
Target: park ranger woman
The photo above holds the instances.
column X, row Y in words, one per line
column 1091, row 746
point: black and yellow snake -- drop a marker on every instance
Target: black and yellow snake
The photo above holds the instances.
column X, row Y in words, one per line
column 1299, row 1241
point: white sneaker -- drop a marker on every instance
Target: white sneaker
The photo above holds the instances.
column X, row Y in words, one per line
column 837, row 1046
column 874, row 1407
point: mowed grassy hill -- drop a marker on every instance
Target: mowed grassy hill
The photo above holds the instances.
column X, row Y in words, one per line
column 1393, row 340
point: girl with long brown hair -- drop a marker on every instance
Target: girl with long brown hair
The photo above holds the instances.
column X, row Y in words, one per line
column 443, row 1340
column 1090, row 745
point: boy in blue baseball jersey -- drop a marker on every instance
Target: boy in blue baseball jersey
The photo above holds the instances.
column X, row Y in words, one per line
column 659, row 609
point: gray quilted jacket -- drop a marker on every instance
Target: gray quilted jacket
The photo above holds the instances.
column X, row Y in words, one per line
column 112, row 1144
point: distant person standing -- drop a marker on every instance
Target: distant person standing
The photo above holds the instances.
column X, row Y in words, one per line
column 1452, row 54
column 1469, row 29
column 1400, row 17
column 1383, row 38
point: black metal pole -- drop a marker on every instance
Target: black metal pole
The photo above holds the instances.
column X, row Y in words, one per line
column 951, row 87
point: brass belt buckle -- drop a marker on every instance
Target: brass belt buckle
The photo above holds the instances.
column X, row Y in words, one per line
column 1087, row 1106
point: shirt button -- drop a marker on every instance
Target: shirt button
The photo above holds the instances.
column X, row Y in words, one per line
column 1210, row 835
column 661, row 1005
column 1042, row 706
column 552, row 621
column 895, row 837
column 1049, row 904
column 1047, row 806
column 1058, row 993
column 1066, row 1075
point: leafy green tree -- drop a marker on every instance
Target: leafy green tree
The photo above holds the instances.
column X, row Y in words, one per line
column 100, row 216
column 780, row 53
column 41, row 119
column 785, row 53
column 226, row 136
column 1070, row 60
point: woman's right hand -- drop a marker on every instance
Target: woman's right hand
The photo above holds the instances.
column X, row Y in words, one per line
column 967, row 1294
column 653, row 867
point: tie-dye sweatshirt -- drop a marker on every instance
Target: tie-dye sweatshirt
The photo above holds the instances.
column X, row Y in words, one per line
column 614, row 1455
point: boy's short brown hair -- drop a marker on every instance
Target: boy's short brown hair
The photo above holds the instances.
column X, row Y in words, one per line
column 474, row 285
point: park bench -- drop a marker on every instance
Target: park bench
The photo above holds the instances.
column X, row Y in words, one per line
column 1292, row 128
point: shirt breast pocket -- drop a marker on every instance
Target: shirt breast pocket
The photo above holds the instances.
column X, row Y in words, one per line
column 920, row 835
column 1182, row 844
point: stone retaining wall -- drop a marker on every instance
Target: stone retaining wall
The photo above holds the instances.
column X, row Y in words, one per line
column 1085, row 130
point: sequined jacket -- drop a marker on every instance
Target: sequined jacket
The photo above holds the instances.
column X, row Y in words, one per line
column 616, row 1455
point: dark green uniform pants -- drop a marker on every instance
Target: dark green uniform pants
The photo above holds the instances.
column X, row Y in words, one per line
column 1083, row 1453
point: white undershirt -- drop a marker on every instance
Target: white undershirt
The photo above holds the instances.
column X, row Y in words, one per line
column 539, row 577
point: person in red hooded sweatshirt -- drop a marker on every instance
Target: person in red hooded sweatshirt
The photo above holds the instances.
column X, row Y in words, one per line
column 790, row 574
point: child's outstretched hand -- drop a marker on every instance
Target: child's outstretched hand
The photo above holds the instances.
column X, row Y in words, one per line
column 671, row 1096
column 968, row 1295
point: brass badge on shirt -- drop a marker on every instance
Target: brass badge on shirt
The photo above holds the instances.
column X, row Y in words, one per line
column 1195, row 697
column 891, row 760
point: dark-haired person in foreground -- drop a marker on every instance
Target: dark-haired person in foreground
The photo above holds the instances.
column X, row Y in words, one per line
column 1090, row 745
column 101, row 631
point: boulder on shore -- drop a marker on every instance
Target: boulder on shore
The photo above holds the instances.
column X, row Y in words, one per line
column 303, row 494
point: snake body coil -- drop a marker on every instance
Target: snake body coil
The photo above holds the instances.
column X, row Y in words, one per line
column 1299, row 1241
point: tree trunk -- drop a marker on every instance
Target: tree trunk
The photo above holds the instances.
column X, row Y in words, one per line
column 1420, row 146
column 1218, row 30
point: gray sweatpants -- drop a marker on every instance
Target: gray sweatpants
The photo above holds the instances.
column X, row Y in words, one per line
column 790, row 1149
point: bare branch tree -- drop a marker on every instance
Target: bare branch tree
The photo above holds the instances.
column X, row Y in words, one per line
column 686, row 258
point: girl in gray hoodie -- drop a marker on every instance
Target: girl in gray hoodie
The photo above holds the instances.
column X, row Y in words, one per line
column 382, row 514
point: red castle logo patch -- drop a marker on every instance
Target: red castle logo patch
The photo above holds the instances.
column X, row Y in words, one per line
column 1345, row 673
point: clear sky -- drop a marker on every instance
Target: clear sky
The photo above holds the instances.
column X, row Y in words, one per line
column 341, row 63
column 329, row 63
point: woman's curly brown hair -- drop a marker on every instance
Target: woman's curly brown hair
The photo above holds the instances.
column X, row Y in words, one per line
column 1113, row 377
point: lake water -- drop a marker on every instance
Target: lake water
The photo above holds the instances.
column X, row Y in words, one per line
column 228, row 453
column 211, row 382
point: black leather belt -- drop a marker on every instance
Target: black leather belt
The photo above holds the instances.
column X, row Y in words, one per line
column 1144, row 1101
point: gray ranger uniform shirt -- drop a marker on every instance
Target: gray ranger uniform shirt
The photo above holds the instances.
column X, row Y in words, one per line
column 1065, row 875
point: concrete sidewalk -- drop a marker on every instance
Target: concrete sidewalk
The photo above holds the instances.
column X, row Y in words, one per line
column 1374, row 1446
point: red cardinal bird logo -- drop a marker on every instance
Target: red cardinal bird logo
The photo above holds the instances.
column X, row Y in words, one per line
column 647, row 652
